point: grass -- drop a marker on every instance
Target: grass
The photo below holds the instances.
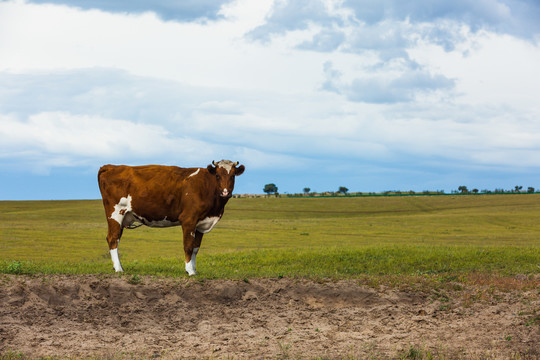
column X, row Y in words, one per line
column 295, row 237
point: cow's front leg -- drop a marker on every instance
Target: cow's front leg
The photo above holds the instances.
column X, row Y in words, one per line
column 192, row 243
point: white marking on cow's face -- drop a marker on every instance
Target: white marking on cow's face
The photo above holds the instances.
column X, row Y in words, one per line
column 195, row 173
column 116, row 260
column 191, row 266
column 206, row 225
column 226, row 164
column 120, row 209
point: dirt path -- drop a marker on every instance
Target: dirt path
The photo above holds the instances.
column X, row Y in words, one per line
column 108, row 317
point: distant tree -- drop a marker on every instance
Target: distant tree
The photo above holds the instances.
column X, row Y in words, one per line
column 463, row 189
column 343, row 190
column 530, row 190
column 270, row 189
column 518, row 188
column 306, row 190
column 475, row 191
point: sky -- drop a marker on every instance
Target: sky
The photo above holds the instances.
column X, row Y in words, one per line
column 370, row 95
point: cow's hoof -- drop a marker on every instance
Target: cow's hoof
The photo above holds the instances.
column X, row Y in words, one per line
column 190, row 267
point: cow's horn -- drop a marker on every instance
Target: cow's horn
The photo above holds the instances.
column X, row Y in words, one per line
column 214, row 163
column 236, row 164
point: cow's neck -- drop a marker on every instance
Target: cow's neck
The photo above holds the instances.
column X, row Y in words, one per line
column 220, row 204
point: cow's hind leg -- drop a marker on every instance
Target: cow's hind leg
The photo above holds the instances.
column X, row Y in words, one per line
column 113, row 239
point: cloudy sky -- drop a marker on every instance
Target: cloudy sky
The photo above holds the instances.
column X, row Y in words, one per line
column 371, row 95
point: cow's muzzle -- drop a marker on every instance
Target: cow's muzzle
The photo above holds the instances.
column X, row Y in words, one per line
column 225, row 193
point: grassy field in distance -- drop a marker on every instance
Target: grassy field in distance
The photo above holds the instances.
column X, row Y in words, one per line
column 271, row 237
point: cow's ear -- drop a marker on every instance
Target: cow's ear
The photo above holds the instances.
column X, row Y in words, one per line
column 240, row 170
column 211, row 169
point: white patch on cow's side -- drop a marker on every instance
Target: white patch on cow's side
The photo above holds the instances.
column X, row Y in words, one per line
column 207, row 224
column 195, row 173
column 116, row 260
column 120, row 209
column 190, row 266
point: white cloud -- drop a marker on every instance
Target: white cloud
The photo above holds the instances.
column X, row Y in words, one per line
column 515, row 17
column 185, row 10
column 64, row 139
column 386, row 85
column 489, row 68
column 212, row 54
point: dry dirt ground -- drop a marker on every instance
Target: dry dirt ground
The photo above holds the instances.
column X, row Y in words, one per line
column 108, row 317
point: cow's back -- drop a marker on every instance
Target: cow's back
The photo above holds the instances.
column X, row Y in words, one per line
column 135, row 177
column 154, row 190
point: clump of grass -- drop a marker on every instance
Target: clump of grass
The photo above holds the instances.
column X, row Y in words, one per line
column 15, row 268
column 421, row 353
column 13, row 355
column 135, row 279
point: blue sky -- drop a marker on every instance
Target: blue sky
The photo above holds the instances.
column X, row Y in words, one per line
column 374, row 96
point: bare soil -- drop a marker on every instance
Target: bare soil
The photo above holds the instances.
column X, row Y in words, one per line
column 108, row 317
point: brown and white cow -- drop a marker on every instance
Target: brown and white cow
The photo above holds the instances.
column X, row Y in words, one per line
column 163, row 196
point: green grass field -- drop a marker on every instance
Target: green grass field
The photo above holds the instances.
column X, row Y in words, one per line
column 338, row 237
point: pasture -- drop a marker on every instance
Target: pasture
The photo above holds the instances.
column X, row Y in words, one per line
column 429, row 277
column 338, row 237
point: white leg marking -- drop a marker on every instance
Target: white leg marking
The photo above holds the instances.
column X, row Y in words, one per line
column 116, row 260
column 190, row 266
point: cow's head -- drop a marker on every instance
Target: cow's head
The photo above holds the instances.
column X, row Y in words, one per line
column 225, row 171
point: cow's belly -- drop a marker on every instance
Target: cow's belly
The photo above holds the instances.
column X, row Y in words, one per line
column 207, row 224
column 160, row 223
column 132, row 217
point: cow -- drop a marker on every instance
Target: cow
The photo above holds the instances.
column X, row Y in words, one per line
column 163, row 196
